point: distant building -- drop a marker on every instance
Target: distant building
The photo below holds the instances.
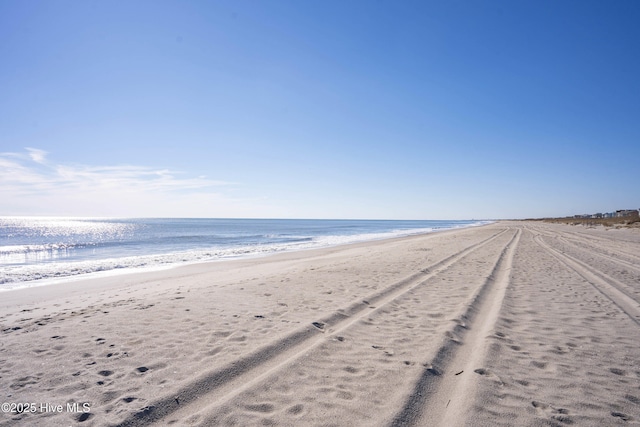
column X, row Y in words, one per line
column 621, row 213
column 626, row 212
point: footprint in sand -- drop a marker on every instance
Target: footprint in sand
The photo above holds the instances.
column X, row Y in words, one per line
column 84, row 417
column 632, row 399
column 296, row 409
column 558, row 350
column 23, row 382
column 431, row 369
column 319, row 325
column 264, row 408
column 388, row 352
column 539, row 405
column 490, row 375
column 622, row 416
column 558, row 414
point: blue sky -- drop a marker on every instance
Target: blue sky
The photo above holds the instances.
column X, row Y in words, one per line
column 308, row 109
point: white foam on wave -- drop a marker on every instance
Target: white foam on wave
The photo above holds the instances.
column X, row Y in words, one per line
column 21, row 276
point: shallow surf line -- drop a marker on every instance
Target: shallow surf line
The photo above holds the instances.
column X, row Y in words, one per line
column 51, row 272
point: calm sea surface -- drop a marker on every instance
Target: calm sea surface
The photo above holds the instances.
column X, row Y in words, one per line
column 33, row 250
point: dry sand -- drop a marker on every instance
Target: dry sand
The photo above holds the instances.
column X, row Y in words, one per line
column 511, row 324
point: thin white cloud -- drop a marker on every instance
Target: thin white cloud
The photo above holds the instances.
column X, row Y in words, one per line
column 33, row 184
column 15, row 170
column 37, row 155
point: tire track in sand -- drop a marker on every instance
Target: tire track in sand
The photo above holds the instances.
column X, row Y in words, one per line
column 600, row 245
column 575, row 240
column 591, row 256
column 606, row 285
column 228, row 379
column 605, row 256
column 442, row 395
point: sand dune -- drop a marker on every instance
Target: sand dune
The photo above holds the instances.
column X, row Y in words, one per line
column 513, row 323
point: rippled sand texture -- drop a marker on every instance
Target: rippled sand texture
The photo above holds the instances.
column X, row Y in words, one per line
column 508, row 324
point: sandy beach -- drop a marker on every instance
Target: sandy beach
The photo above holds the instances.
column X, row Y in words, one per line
column 508, row 324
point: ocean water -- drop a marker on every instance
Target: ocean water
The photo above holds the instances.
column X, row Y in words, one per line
column 38, row 250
